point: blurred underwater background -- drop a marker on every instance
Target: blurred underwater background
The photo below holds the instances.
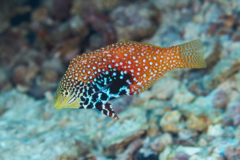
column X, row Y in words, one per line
column 189, row 114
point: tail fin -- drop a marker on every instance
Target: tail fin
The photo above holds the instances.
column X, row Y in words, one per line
column 192, row 54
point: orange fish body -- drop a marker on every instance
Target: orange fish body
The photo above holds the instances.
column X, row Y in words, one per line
column 124, row 68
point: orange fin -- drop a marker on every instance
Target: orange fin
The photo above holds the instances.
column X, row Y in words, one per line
column 192, row 54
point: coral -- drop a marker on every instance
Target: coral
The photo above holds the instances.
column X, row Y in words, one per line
column 134, row 22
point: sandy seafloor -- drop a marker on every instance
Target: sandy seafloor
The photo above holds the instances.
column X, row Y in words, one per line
column 189, row 114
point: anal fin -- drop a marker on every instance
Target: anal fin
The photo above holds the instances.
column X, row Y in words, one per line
column 107, row 110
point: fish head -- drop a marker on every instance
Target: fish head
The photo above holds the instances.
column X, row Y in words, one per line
column 66, row 99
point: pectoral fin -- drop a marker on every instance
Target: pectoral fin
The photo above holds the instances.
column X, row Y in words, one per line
column 107, row 110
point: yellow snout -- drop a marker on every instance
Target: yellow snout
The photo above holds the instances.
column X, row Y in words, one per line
column 63, row 102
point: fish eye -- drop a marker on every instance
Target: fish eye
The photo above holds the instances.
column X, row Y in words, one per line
column 66, row 93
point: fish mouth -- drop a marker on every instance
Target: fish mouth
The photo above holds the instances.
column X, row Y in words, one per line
column 62, row 102
column 58, row 104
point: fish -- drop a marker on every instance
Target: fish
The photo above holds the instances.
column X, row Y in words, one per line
column 124, row 68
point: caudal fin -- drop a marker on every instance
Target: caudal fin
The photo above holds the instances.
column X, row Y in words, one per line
column 192, row 54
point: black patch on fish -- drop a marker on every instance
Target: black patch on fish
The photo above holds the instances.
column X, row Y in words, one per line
column 104, row 96
column 90, row 106
column 82, row 98
column 90, row 91
column 98, row 104
column 114, row 81
column 123, row 92
column 107, row 86
column 86, row 101
column 94, row 97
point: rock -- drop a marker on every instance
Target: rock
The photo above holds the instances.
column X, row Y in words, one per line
column 212, row 51
column 132, row 125
column 74, row 24
column 49, row 96
column 68, row 49
column 237, row 133
column 170, row 122
column 23, row 88
column 20, row 74
column 197, row 122
column 189, row 150
column 162, row 37
column 220, row 99
column 5, row 84
column 232, row 114
column 181, row 156
column 213, row 12
column 41, row 88
column 120, row 146
column 224, row 69
column 121, row 104
column 236, row 36
column 141, row 155
column 155, row 103
column 236, row 120
column 164, row 88
column 195, row 157
column 46, row 81
column 50, row 76
column 53, row 64
column 186, row 137
column 41, row 14
column 23, row 76
column 145, row 152
column 222, row 147
column 81, row 7
column 146, row 144
column 11, row 10
column 167, row 153
column 215, row 130
column 5, row 24
column 12, row 42
column 229, row 131
column 106, row 33
column 201, row 113
column 7, row 87
column 61, row 9
column 196, row 87
column 79, row 25
column 67, row 39
column 161, row 142
column 213, row 157
column 95, row 42
column 182, row 96
column 161, row 4
column 196, row 31
column 232, row 153
column 185, row 142
column 42, row 127
column 202, row 142
column 128, row 154
column 153, row 130
column 134, row 22
column 142, row 98
column 187, row 134
column 230, row 87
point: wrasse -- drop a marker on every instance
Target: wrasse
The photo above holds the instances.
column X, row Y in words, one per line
column 124, row 68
